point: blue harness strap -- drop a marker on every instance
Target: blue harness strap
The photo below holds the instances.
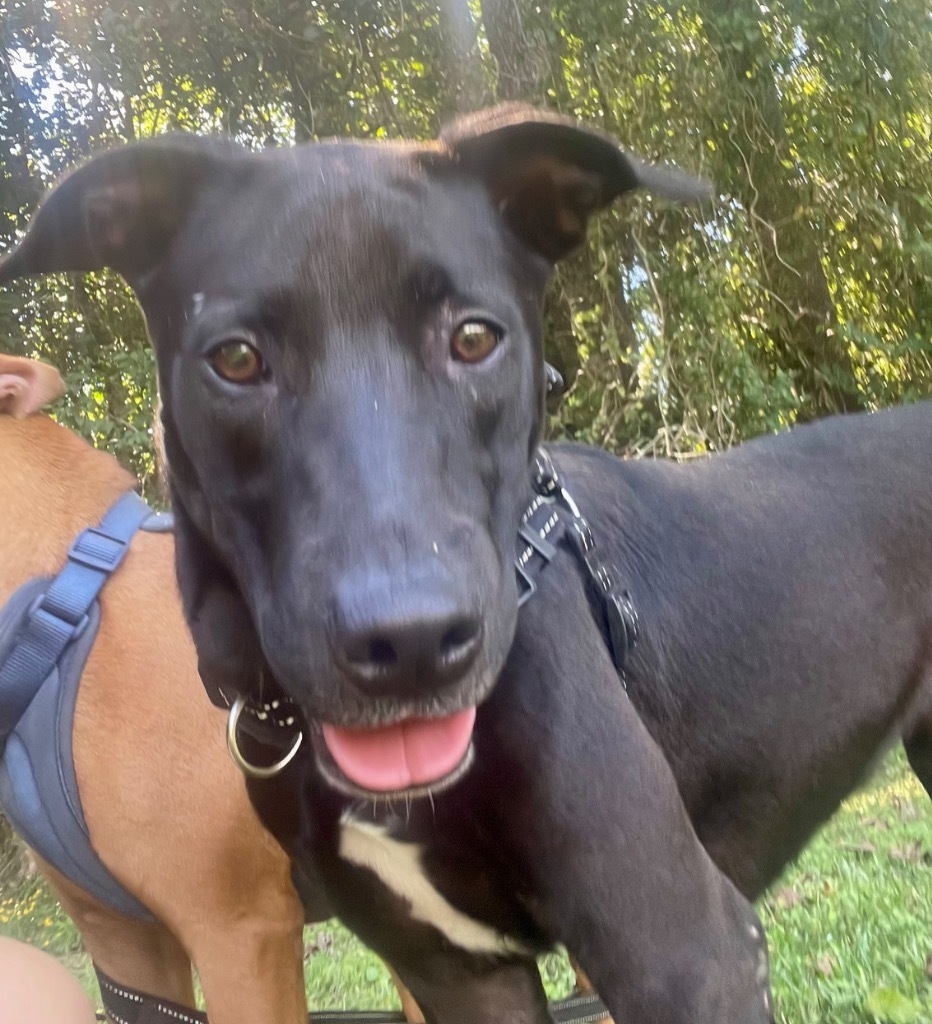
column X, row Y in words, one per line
column 47, row 630
column 59, row 616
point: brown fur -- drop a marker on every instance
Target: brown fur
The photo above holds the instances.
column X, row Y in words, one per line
column 166, row 808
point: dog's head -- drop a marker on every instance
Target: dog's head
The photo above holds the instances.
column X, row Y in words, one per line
column 350, row 365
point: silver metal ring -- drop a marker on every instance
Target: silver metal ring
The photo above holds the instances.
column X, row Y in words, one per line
column 252, row 770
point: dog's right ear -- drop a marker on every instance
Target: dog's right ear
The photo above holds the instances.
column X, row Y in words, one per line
column 26, row 385
column 548, row 175
column 120, row 209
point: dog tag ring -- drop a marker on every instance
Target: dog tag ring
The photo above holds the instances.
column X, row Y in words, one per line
column 255, row 771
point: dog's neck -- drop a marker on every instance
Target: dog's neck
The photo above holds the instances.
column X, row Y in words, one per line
column 54, row 485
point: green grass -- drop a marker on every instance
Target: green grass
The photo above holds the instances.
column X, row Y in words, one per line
column 850, row 924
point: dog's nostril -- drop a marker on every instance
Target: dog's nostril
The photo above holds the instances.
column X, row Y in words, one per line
column 381, row 653
column 460, row 640
column 373, row 657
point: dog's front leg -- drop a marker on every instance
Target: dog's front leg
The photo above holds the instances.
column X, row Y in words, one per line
column 610, row 861
column 460, row 989
column 449, row 984
column 143, row 955
column 252, row 971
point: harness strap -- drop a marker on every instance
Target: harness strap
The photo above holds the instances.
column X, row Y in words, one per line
column 613, row 610
column 125, row 1005
column 539, row 535
column 60, row 615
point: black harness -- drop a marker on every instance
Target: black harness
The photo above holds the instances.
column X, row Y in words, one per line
column 553, row 517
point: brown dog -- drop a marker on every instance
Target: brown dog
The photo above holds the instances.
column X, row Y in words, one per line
column 166, row 808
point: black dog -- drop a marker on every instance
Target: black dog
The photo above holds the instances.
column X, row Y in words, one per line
column 350, row 362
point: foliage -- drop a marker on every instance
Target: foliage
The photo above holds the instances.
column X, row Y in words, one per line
column 804, row 289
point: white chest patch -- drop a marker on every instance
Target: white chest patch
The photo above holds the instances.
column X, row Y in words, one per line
column 398, row 866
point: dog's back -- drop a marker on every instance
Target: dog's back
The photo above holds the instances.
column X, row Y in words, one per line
column 785, row 595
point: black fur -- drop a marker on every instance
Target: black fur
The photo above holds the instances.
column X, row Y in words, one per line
column 366, row 480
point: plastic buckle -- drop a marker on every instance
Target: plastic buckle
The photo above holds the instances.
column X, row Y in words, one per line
column 533, row 539
column 97, row 550
column 37, row 610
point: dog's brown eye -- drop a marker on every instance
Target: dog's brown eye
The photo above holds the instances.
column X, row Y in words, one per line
column 473, row 341
column 237, row 361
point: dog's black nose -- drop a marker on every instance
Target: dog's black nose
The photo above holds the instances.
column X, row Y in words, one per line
column 404, row 642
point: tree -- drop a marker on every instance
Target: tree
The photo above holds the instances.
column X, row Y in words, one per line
column 805, row 288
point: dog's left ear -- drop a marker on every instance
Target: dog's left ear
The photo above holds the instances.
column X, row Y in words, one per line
column 548, row 175
column 121, row 209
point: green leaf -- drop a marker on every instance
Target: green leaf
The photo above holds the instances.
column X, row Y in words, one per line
column 892, row 1007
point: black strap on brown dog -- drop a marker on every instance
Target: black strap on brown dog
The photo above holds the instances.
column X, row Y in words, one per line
column 124, row 1005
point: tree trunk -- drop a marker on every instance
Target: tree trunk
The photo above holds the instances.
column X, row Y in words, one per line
column 465, row 87
column 21, row 183
column 520, row 51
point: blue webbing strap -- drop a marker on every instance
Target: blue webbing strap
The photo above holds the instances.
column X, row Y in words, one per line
column 60, row 614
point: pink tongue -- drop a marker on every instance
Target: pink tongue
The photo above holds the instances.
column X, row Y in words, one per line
column 415, row 752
